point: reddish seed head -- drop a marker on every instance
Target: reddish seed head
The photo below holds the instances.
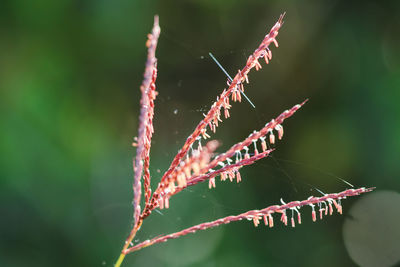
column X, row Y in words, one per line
column 204, row 166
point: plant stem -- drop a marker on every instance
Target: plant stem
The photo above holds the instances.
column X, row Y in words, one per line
column 127, row 243
column 120, row 260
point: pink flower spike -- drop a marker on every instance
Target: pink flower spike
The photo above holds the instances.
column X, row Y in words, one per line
column 249, row 215
column 191, row 166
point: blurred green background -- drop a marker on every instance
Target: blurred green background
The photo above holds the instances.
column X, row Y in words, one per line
column 70, row 73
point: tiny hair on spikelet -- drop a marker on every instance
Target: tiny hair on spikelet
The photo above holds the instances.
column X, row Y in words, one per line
column 197, row 162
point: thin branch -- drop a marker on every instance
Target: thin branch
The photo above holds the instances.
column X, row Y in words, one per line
column 326, row 207
column 231, row 170
column 142, row 159
column 168, row 188
column 235, row 87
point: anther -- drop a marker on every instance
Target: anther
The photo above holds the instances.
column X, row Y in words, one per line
column 314, row 216
column 263, row 144
column 211, row 183
column 270, row 220
column 275, row 42
column 238, row 177
column 271, row 136
column 246, row 155
column 265, row 219
column 279, row 128
column 223, row 176
column 255, row 147
column 256, row 221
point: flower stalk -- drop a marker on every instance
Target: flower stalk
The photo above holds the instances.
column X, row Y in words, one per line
column 195, row 163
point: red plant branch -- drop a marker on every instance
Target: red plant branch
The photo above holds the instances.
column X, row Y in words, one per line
column 325, row 206
column 162, row 195
column 194, row 165
column 142, row 160
column 214, row 114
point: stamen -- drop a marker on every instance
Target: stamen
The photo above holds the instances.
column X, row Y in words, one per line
column 238, row 177
column 211, row 183
column 255, row 147
column 279, row 128
column 271, row 137
column 246, row 155
column 263, row 144
column 270, row 220
column 314, row 216
column 265, row 220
